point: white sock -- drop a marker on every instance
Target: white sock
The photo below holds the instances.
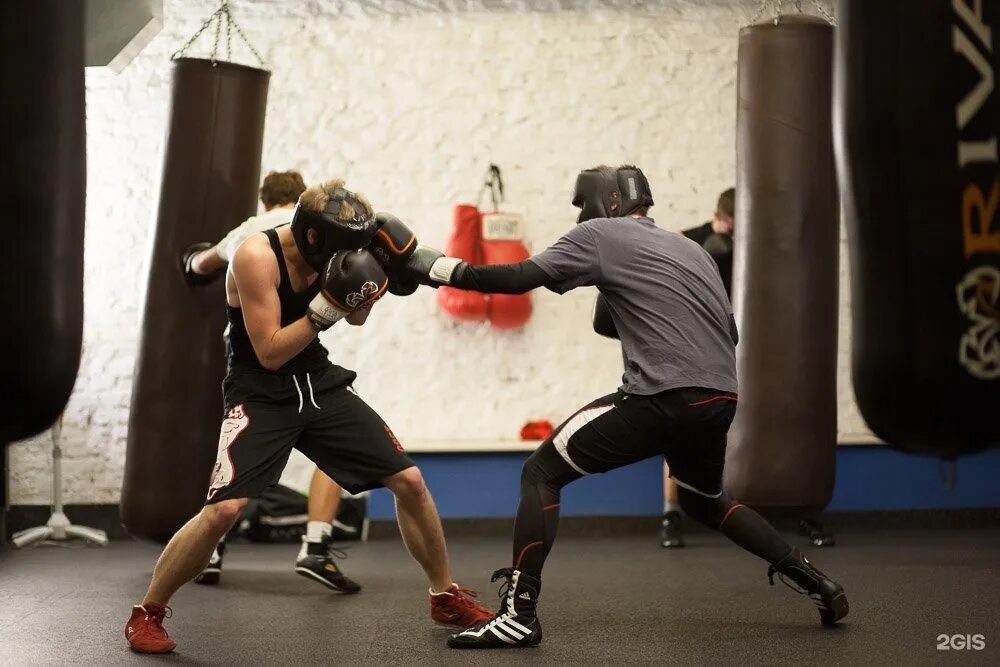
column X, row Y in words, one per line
column 317, row 531
column 670, row 506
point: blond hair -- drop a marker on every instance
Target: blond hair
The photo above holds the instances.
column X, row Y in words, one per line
column 317, row 197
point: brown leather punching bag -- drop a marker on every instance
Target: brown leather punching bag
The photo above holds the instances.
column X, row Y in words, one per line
column 211, row 173
column 42, row 186
column 782, row 445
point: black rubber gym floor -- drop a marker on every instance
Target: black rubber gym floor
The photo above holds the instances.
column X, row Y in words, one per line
column 605, row 601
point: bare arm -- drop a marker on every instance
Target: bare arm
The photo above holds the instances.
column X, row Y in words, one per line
column 208, row 261
column 256, row 273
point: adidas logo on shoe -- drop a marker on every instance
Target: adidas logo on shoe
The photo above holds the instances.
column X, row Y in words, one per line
column 524, row 596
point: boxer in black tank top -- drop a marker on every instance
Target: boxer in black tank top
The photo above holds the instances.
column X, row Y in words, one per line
column 271, row 411
column 281, row 391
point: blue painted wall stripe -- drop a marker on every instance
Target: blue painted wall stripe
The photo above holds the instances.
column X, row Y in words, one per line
column 868, row 478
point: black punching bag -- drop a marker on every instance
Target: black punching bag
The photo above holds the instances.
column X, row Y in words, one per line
column 42, row 187
column 917, row 119
column 783, row 442
column 211, row 174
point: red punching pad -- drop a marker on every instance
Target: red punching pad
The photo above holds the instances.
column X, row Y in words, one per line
column 918, row 124
column 783, row 442
column 42, row 187
column 211, row 173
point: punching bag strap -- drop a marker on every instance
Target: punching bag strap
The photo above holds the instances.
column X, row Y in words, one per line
column 216, row 19
column 493, row 184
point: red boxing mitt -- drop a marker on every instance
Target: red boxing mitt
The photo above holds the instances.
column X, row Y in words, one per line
column 464, row 243
column 501, row 244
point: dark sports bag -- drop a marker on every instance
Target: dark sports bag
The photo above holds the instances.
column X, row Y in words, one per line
column 280, row 514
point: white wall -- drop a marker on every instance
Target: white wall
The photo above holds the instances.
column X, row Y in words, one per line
column 411, row 105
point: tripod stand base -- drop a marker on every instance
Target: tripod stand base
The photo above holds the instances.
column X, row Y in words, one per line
column 59, row 529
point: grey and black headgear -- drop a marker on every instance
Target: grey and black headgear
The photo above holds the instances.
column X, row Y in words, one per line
column 333, row 232
column 611, row 193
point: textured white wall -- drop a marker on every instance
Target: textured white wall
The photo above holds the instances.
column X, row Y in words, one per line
column 411, row 103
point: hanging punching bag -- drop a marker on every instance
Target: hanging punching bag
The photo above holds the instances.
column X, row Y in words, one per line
column 211, row 173
column 42, row 187
column 782, row 445
column 918, row 116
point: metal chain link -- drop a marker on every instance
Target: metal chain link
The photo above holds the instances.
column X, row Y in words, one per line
column 220, row 14
column 250, row 46
column 180, row 52
column 229, row 36
column 218, row 25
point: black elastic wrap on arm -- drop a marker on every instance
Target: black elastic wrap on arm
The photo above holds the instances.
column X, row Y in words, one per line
column 500, row 278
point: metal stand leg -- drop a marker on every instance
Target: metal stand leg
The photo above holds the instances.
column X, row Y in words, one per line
column 58, row 528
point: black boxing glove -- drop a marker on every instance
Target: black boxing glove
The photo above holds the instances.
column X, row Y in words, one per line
column 392, row 245
column 352, row 279
column 192, row 277
column 432, row 267
column 603, row 324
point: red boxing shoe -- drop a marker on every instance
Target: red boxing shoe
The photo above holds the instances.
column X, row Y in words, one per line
column 455, row 607
column 144, row 630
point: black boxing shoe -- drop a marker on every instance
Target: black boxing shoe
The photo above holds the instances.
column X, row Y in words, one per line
column 828, row 595
column 515, row 624
column 671, row 534
column 213, row 571
column 315, row 562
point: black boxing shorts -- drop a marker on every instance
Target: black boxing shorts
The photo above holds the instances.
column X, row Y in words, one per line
column 319, row 414
column 686, row 426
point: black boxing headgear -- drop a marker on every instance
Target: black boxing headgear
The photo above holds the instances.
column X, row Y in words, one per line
column 611, row 193
column 333, row 232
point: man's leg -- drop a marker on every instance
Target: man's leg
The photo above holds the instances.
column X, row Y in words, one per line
column 751, row 531
column 184, row 557
column 315, row 559
column 598, row 438
column 254, row 444
column 697, row 461
column 352, row 444
column 420, row 526
column 324, row 498
column 188, row 551
column 671, row 533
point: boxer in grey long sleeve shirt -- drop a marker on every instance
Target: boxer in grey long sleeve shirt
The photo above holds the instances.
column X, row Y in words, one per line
column 677, row 398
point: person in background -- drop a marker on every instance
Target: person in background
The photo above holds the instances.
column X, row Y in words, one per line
column 715, row 236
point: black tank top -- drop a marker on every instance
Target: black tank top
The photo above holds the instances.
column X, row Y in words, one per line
column 240, row 354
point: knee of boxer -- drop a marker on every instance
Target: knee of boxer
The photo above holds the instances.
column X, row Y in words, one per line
column 222, row 515
column 704, row 509
column 407, row 484
column 532, row 472
column 546, row 467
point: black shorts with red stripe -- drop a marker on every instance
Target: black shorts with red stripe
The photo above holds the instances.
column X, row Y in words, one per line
column 318, row 413
column 687, row 426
